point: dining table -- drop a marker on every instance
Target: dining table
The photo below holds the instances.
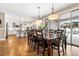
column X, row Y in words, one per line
column 49, row 40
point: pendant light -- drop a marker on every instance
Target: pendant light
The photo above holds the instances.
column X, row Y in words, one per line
column 38, row 21
column 53, row 16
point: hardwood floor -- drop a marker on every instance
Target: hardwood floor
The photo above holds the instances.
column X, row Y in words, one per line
column 19, row 47
column 15, row 47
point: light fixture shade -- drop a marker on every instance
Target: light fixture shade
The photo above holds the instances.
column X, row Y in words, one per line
column 37, row 22
column 53, row 17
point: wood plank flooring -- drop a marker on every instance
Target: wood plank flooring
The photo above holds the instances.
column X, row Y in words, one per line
column 14, row 46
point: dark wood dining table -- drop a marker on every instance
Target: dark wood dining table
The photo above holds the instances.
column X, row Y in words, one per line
column 49, row 40
column 49, row 47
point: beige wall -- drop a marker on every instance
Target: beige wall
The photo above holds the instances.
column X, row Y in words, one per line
column 2, row 26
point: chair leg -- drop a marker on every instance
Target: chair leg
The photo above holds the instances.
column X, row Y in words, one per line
column 65, row 45
column 63, row 48
column 31, row 43
column 34, row 46
column 43, row 51
column 59, row 51
column 28, row 40
column 52, row 50
column 38, row 49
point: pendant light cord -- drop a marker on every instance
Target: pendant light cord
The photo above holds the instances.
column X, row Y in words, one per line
column 53, row 8
column 38, row 12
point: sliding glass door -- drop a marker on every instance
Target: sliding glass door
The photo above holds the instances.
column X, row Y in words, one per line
column 75, row 27
column 75, row 31
column 64, row 23
column 70, row 22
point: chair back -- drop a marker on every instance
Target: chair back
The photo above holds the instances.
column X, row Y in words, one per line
column 51, row 33
column 39, row 33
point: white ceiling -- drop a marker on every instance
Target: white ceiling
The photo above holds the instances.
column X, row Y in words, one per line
column 30, row 9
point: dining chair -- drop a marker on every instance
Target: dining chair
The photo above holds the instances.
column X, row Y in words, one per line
column 42, row 44
column 34, row 39
column 56, row 42
column 63, row 38
column 29, row 35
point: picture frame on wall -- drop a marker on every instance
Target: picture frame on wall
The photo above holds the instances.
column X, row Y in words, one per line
column 1, row 23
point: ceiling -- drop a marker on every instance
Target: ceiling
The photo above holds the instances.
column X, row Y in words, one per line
column 31, row 9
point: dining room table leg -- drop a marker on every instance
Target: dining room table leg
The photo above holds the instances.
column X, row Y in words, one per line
column 49, row 48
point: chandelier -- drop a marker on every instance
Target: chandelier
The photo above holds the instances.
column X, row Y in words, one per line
column 53, row 16
column 38, row 21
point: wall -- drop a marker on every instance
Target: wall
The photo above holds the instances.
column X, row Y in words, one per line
column 2, row 26
column 54, row 25
column 51, row 24
column 10, row 19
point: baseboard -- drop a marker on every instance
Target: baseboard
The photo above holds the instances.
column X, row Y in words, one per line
column 73, row 44
column 11, row 35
